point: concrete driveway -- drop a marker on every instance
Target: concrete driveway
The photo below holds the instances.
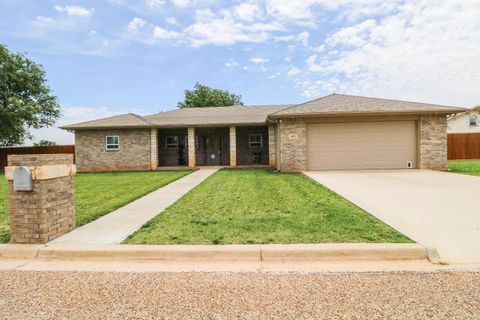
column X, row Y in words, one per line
column 437, row 209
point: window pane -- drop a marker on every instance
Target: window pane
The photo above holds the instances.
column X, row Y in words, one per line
column 255, row 140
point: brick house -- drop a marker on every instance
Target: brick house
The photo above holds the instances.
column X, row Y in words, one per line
column 333, row 132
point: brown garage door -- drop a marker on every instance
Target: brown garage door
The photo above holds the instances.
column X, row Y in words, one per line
column 361, row 145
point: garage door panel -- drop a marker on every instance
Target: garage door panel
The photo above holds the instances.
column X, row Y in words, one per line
column 365, row 145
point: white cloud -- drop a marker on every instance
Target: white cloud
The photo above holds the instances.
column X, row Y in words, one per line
column 293, row 71
column 74, row 11
column 136, row 24
column 231, row 63
column 312, row 64
column 155, row 3
column 181, row 3
column 419, row 52
column 161, row 33
column 248, row 11
column 223, row 28
column 171, row 20
column 259, row 60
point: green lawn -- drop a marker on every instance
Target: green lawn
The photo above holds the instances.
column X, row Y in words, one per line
column 97, row 194
column 471, row 167
column 262, row 206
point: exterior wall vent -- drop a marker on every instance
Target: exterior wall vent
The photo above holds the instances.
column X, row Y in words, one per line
column 409, row 165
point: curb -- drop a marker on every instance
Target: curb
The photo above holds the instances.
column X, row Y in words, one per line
column 344, row 251
column 233, row 253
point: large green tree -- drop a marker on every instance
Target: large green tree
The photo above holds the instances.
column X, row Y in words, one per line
column 26, row 101
column 204, row 96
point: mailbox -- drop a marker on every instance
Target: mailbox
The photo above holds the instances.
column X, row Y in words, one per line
column 22, row 179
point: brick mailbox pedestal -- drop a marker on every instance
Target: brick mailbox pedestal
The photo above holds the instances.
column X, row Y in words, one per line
column 48, row 210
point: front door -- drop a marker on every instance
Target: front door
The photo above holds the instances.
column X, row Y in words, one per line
column 213, row 150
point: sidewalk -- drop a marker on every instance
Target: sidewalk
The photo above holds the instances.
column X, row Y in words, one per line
column 116, row 226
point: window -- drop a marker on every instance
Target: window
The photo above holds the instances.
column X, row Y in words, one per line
column 112, row 142
column 196, row 142
column 473, row 120
column 171, row 142
column 255, row 140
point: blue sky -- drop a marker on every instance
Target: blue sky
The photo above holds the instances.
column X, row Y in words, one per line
column 115, row 56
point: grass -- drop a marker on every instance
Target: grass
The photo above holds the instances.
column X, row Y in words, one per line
column 470, row 167
column 97, row 194
column 262, row 206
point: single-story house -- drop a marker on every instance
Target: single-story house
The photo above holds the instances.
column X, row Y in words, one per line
column 334, row 132
column 465, row 122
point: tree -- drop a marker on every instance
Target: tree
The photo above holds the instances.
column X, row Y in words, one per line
column 44, row 143
column 25, row 98
column 203, row 96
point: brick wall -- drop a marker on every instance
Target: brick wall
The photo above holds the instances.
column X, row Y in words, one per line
column 48, row 211
column 293, row 145
column 133, row 154
column 433, row 142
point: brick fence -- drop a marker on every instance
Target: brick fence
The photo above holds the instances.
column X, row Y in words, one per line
column 47, row 211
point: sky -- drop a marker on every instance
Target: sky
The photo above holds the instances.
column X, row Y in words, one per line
column 115, row 56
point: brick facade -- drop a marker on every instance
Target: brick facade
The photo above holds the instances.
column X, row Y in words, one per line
column 133, row 155
column 48, row 211
column 432, row 134
column 293, row 145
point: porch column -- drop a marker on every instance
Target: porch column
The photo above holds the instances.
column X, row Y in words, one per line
column 272, row 152
column 153, row 149
column 191, row 147
column 233, row 146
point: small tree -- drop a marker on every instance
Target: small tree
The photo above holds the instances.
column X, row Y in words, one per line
column 44, row 143
column 25, row 98
column 203, row 96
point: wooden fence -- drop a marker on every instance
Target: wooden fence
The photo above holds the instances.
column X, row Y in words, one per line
column 463, row 146
column 4, row 152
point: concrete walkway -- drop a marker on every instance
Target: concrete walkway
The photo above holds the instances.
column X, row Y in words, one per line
column 116, row 226
column 436, row 209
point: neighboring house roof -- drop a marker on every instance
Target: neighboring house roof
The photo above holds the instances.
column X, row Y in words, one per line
column 215, row 116
column 466, row 111
column 129, row 120
column 339, row 104
column 348, row 104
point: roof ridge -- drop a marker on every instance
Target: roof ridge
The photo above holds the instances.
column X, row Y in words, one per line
column 297, row 105
column 139, row 117
column 396, row 100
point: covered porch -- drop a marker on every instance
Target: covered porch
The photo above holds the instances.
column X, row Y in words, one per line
column 233, row 146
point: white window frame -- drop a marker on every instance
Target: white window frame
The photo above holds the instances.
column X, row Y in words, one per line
column 255, row 142
column 116, row 146
column 171, row 146
column 475, row 120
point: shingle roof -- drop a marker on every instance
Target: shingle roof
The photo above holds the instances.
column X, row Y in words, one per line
column 243, row 115
column 209, row 116
column 128, row 120
column 348, row 104
column 215, row 115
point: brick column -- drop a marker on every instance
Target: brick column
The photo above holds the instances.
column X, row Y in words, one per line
column 272, row 161
column 48, row 210
column 191, row 147
column 233, row 146
column 153, row 149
